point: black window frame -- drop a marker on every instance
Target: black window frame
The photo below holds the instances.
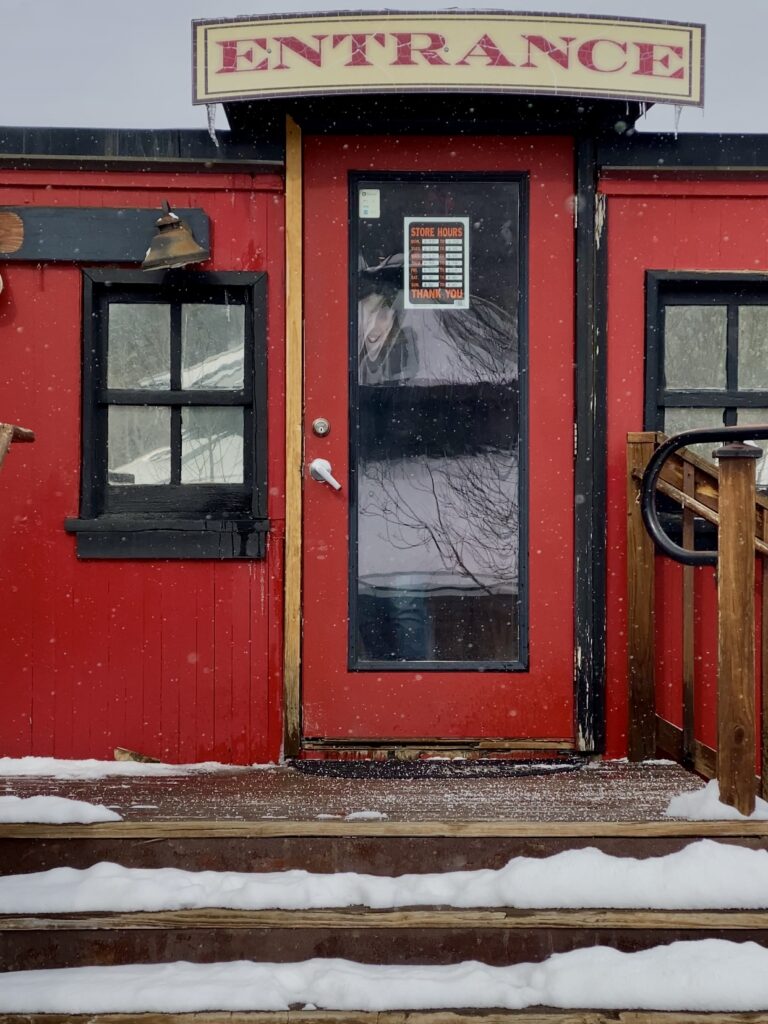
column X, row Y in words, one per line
column 175, row 520
column 667, row 288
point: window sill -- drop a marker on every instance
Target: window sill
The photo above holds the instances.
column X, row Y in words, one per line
column 136, row 536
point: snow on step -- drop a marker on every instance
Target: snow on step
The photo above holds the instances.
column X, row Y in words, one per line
column 708, row 975
column 703, row 875
column 53, row 810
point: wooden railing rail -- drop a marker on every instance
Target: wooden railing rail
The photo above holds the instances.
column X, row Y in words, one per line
column 725, row 497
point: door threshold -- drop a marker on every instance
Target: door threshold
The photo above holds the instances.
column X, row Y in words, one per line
column 382, row 750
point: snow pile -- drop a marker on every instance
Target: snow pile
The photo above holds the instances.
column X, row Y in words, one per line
column 55, row 768
column 707, row 975
column 703, row 875
column 53, row 810
column 704, row 805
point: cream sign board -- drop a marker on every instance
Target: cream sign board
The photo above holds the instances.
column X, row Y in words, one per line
column 565, row 55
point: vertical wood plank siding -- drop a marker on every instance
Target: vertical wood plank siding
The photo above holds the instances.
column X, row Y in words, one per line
column 664, row 225
column 168, row 658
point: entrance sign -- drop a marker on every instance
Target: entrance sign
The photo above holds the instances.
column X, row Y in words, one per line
column 318, row 54
column 437, row 262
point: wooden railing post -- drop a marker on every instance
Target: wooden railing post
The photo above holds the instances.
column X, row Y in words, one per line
column 736, row 626
column 764, row 663
column 640, row 607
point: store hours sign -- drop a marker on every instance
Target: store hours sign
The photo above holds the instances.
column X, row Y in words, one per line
column 449, row 51
column 436, row 262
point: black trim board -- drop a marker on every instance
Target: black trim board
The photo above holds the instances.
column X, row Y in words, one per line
column 94, row 234
column 665, row 151
column 85, row 148
column 590, row 463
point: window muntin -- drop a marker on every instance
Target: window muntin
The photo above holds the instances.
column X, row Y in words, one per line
column 174, row 413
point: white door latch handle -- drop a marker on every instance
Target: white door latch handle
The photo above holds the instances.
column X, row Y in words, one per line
column 320, row 469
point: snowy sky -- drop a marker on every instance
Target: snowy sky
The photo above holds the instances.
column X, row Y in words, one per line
column 107, row 63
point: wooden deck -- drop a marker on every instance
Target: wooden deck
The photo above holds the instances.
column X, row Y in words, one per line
column 612, row 791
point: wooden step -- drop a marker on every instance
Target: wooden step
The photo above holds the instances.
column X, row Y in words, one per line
column 423, row 936
column 535, row 1016
column 385, row 848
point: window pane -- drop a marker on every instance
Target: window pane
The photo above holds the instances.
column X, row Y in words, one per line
column 694, row 347
column 436, row 452
column 211, row 445
column 139, row 444
column 748, row 416
column 753, row 348
column 139, row 342
column 212, row 346
column 676, row 420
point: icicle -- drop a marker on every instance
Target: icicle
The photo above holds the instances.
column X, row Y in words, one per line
column 678, row 113
column 211, row 111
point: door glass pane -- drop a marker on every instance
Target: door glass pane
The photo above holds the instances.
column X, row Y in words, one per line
column 139, row 444
column 139, row 345
column 436, row 530
column 753, row 348
column 694, row 347
column 211, row 445
column 677, row 420
column 212, row 346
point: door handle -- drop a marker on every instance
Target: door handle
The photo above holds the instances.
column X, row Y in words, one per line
column 320, row 469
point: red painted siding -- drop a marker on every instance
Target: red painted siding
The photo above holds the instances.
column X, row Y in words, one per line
column 662, row 225
column 180, row 660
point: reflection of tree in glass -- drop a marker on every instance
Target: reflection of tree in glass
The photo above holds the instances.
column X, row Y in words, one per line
column 465, row 509
column 457, row 500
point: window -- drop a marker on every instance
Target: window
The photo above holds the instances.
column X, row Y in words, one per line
column 174, row 425
column 707, row 357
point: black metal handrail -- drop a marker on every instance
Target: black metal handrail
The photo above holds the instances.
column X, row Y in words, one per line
column 651, row 475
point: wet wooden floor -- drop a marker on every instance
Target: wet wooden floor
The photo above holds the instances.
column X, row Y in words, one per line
column 598, row 791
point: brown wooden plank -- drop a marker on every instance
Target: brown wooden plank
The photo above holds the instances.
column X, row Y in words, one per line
column 689, row 675
column 11, row 232
column 427, row 917
column 386, row 829
column 640, row 594
column 669, row 743
column 736, row 629
column 294, row 330
column 537, row 1015
column 764, row 667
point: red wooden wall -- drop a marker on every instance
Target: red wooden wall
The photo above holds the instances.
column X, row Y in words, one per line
column 179, row 660
column 657, row 224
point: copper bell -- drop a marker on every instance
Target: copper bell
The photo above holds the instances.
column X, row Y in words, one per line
column 173, row 244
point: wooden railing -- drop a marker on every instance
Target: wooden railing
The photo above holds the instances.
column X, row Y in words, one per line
column 10, row 433
column 725, row 497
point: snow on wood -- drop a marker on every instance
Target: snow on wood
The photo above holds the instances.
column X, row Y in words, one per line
column 703, row 875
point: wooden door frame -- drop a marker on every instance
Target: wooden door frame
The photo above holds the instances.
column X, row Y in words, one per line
column 589, row 467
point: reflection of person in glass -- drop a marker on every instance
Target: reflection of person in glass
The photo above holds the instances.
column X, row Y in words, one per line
column 437, row 475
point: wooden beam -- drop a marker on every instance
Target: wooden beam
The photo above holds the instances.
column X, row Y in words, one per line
column 120, row 830
column 669, row 743
column 736, row 627
column 537, row 1015
column 689, row 652
column 764, row 668
column 294, row 345
column 641, row 612
column 503, row 918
